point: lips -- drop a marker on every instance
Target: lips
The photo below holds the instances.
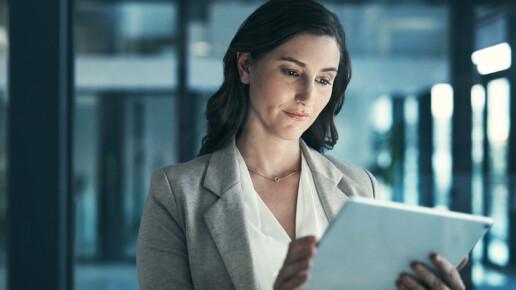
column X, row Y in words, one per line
column 296, row 115
column 300, row 114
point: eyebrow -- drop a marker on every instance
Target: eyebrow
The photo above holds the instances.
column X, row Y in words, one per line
column 302, row 64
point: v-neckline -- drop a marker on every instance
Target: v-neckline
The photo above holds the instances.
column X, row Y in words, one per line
column 273, row 217
column 299, row 201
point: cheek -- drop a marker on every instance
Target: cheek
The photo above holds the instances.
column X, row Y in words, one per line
column 263, row 102
column 322, row 102
column 268, row 92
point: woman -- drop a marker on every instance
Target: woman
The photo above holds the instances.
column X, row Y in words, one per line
column 247, row 213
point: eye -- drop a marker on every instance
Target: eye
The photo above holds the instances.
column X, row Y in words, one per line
column 324, row 82
column 290, row 72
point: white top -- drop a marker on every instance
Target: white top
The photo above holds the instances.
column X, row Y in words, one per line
column 268, row 239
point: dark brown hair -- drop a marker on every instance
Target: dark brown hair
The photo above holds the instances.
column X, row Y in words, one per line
column 269, row 26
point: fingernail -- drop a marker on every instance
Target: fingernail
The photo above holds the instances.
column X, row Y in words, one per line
column 414, row 265
column 435, row 257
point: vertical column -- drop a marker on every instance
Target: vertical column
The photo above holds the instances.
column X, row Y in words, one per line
column 186, row 101
column 511, row 27
column 111, row 177
column 397, row 143
column 40, row 196
column 461, row 79
column 3, row 155
column 486, row 178
column 425, row 150
column 138, row 164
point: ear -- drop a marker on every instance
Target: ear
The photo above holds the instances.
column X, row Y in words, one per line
column 243, row 60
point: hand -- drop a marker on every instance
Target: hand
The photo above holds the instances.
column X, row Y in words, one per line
column 450, row 280
column 294, row 271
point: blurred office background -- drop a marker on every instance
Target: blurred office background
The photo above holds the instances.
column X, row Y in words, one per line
column 428, row 111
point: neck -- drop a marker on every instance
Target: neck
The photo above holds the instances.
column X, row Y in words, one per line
column 268, row 154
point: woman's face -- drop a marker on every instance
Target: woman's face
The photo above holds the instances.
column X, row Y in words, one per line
column 290, row 85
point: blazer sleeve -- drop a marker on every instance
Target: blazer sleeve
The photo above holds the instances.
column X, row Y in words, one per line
column 362, row 176
column 374, row 183
column 161, row 255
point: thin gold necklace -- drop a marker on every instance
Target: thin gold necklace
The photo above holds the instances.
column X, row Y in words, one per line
column 274, row 178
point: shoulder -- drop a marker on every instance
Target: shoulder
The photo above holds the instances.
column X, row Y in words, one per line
column 361, row 177
column 181, row 179
column 179, row 186
column 187, row 172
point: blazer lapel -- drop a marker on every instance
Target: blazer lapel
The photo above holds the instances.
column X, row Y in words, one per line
column 225, row 218
column 328, row 180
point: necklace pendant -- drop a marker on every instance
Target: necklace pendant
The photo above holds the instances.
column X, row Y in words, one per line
column 276, row 179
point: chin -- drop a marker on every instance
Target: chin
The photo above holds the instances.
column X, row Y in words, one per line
column 290, row 134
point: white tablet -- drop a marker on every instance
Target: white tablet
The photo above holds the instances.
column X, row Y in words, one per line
column 371, row 242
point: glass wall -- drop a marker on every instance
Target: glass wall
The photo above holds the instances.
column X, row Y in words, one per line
column 497, row 135
column 491, row 124
column 396, row 120
column 125, row 127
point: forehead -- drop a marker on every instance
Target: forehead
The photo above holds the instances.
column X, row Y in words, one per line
column 314, row 50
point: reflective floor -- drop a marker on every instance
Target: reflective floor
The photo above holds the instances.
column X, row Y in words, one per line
column 123, row 277
column 106, row 277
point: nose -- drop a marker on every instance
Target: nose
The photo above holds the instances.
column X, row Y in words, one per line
column 306, row 91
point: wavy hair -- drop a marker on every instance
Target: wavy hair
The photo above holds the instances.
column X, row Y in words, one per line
column 269, row 26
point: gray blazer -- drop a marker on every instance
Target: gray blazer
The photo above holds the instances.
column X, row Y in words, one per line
column 192, row 233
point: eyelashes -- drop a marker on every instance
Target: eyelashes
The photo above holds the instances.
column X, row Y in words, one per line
column 325, row 82
column 289, row 72
column 293, row 73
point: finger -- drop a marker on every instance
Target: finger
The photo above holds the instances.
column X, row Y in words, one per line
column 294, row 269
column 450, row 275
column 311, row 239
column 300, row 249
column 463, row 263
column 294, row 282
column 299, row 254
column 400, row 285
column 428, row 276
column 410, row 282
column 302, row 242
